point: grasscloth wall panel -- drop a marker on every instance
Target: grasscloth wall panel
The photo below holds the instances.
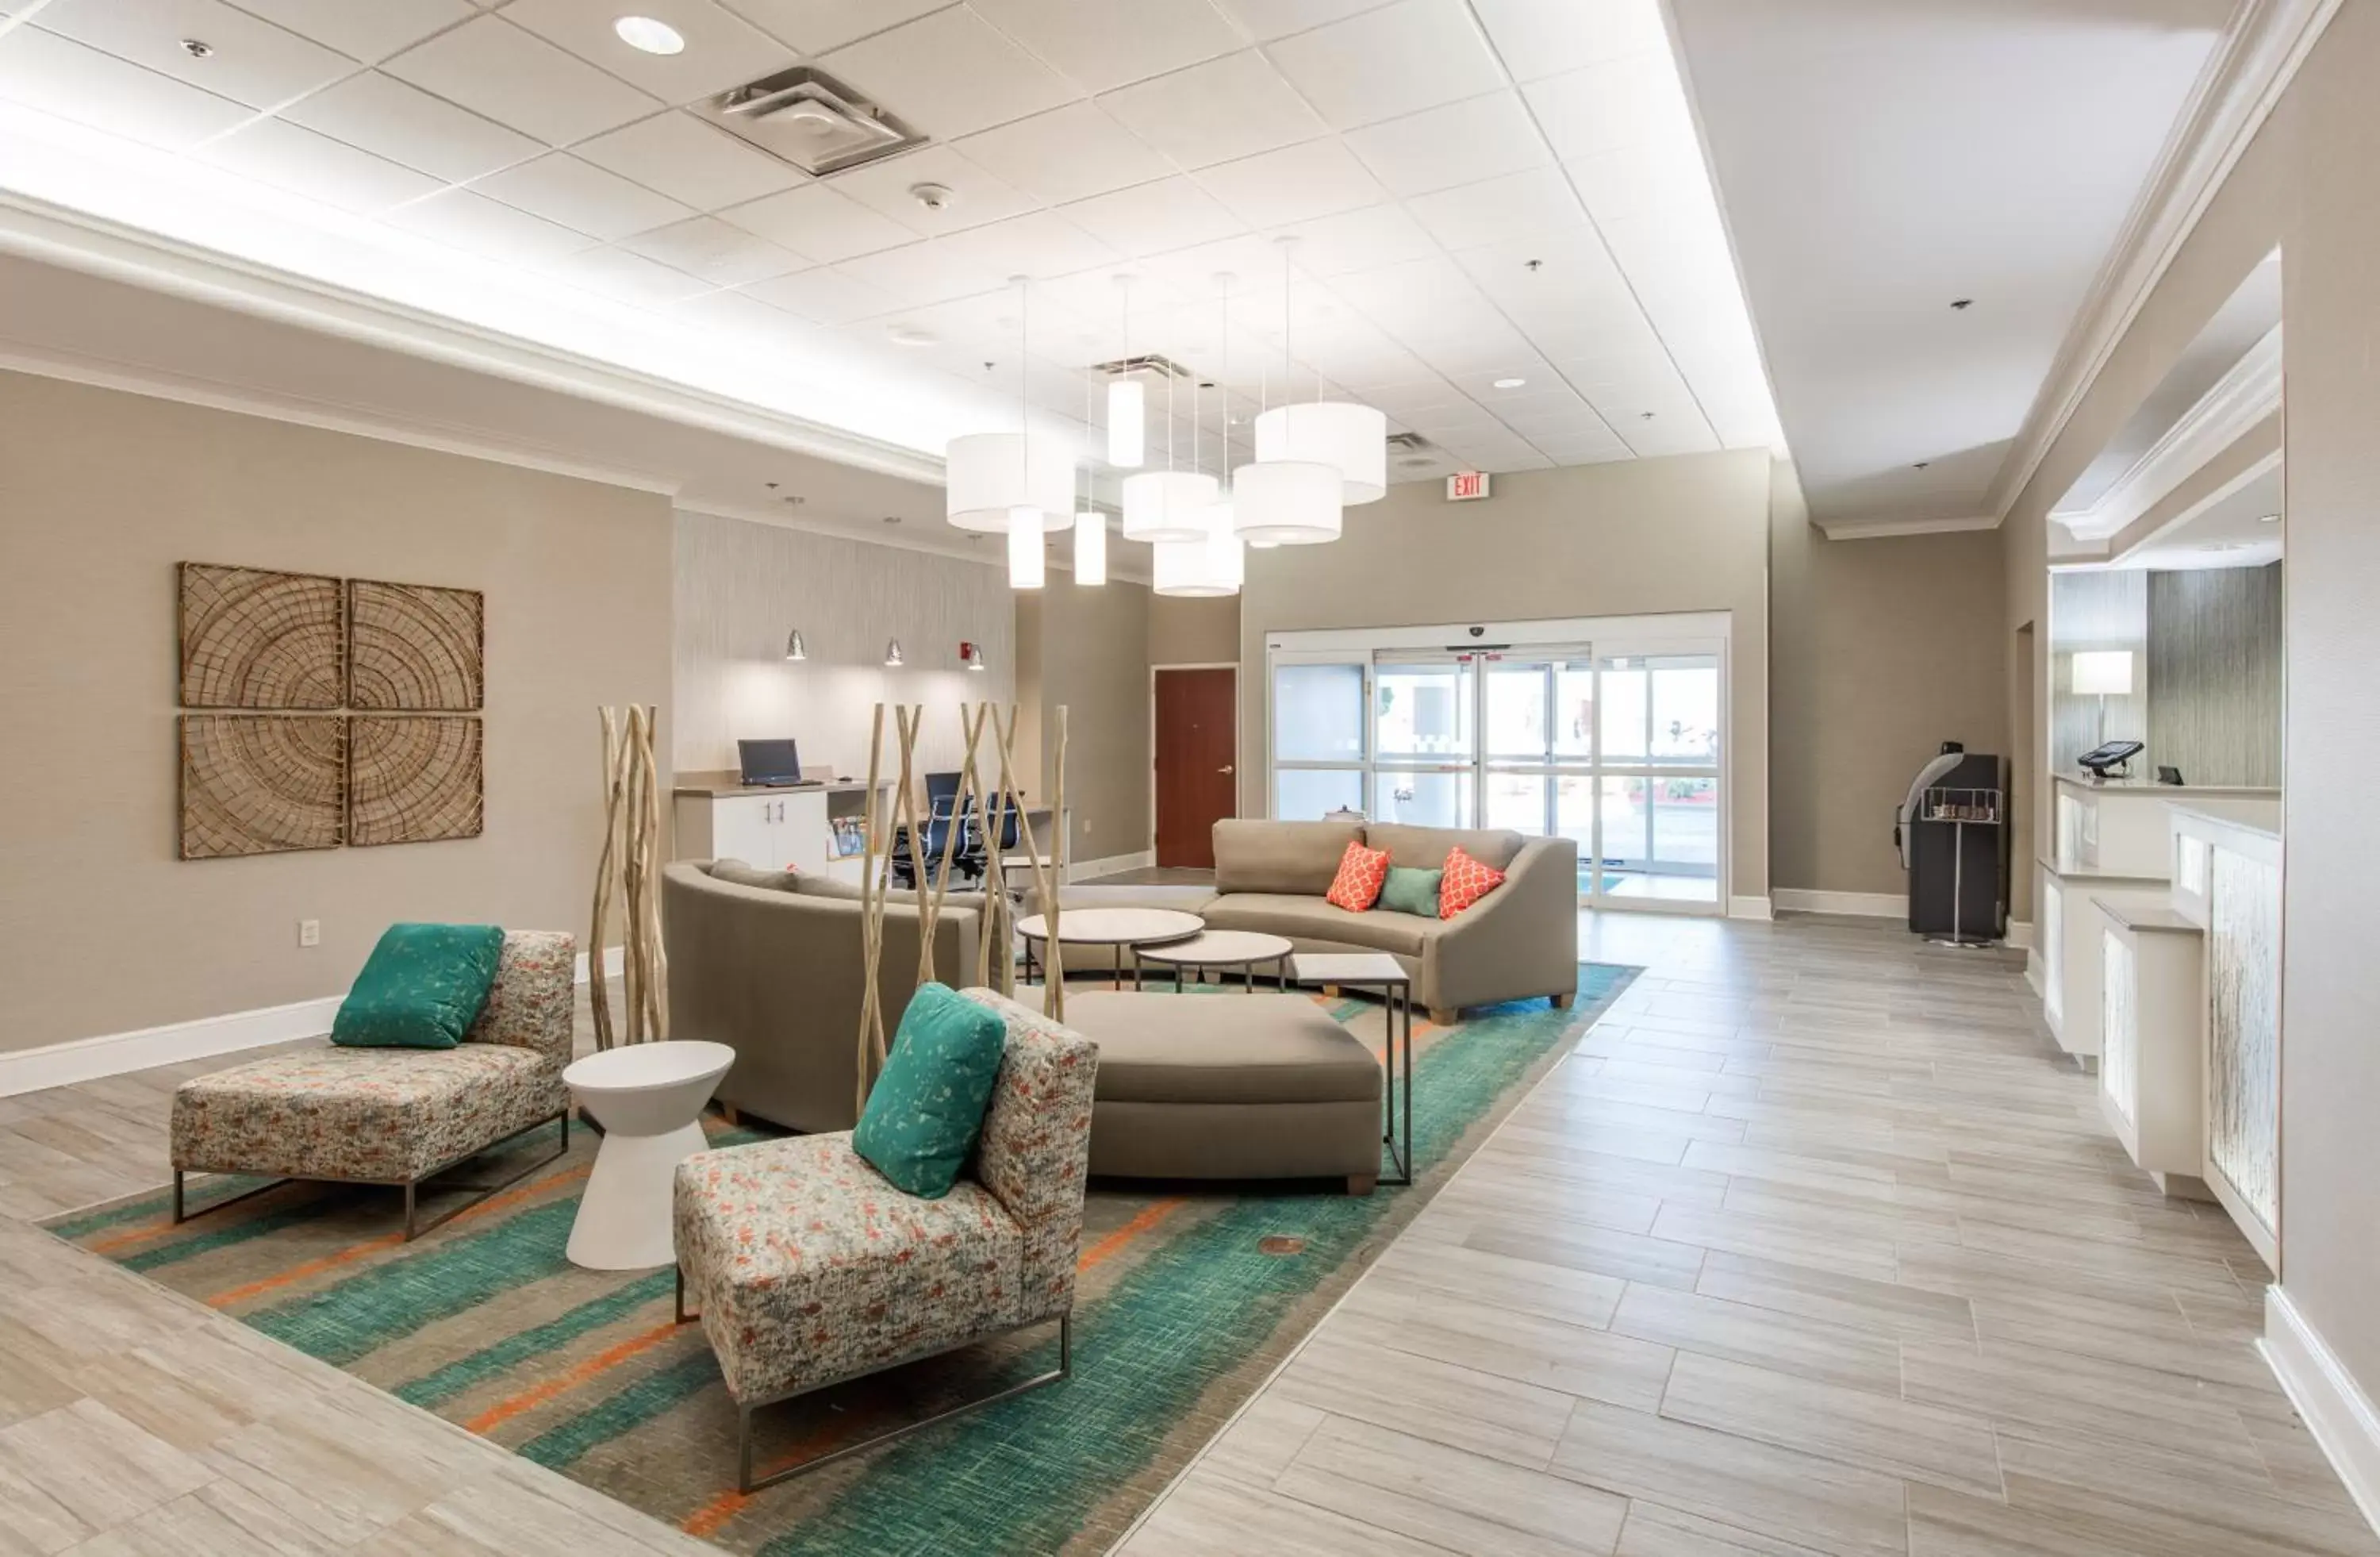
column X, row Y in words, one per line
column 2214, row 674
column 741, row 588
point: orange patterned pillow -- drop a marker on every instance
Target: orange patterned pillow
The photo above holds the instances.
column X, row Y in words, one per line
column 1465, row 882
column 1361, row 873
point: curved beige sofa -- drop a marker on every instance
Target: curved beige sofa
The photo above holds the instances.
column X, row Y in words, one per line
column 1518, row 941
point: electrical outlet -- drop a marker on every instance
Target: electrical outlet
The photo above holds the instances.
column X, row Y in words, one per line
column 309, row 933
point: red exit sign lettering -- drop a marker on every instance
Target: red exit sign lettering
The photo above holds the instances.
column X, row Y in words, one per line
column 1466, row 486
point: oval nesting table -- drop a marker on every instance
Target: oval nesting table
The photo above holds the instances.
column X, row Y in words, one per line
column 1222, row 950
column 1125, row 929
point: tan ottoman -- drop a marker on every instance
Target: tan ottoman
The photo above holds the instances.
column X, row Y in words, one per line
column 1229, row 1086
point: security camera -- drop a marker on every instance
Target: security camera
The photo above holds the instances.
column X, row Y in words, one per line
column 1479, row 632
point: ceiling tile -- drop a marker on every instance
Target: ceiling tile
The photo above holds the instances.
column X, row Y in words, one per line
column 1099, row 44
column 976, row 197
column 288, row 157
column 1540, row 38
column 60, row 76
column 253, row 62
column 1684, row 431
column 690, row 161
column 816, row 26
column 820, row 222
column 560, row 188
column 824, row 296
column 1151, row 218
column 950, row 74
column 405, row 124
column 1410, row 56
column 1068, row 153
column 1294, row 184
column 722, row 50
column 718, row 252
column 630, row 278
column 1604, row 107
column 366, row 29
column 1460, row 143
column 1639, row 181
column 1041, row 243
column 1495, row 209
column 480, row 225
column 1554, row 271
column 749, row 320
column 517, row 78
column 1230, row 107
column 1266, row 19
column 921, row 274
column 1358, row 240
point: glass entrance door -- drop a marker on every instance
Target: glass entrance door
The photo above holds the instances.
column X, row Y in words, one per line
column 1659, row 822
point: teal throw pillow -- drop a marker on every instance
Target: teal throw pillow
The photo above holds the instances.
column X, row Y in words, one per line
column 423, row 987
column 927, row 1108
column 1411, row 889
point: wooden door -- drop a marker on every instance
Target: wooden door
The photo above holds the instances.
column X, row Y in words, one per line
column 1198, row 782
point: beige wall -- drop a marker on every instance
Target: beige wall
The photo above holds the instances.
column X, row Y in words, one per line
column 102, row 928
column 740, row 587
column 1194, row 632
column 1634, row 537
column 2307, row 185
column 1881, row 649
column 1090, row 655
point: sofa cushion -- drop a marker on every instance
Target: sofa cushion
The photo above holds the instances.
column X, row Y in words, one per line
column 1429, row 846
column 814, row 885
column 1297, row 857
column 785, row 1246
column 423, row 987
column 1411, row 889
column 1361, row 873
column 1310, row 918
column 1464, row 881
column 926, row 1110
column 1222, row 1048
column 380, row 1115
column 743, row 875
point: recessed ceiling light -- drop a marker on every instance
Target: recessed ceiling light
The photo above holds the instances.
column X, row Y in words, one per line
column 652, row 36
column 198, row 48
column 2270, row 519
column 909, row 335
column 1510, row 384
column 1961, row 305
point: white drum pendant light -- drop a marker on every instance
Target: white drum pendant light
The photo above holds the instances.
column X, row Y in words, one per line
column 1286, row 503
column 1352, row 440
column 1025, row 564
column 1090, row 547
column 1168, row 506
column 987, row 476
column 1213, row 565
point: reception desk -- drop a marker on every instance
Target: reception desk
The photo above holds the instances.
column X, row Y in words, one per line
column 799, row 827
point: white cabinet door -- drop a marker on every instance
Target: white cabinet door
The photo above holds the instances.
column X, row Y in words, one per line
column 744, row 827
column 801, row 831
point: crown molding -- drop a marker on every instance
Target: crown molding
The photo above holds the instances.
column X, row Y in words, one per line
column 57, row 235
column 1878, row 529
column 2244, row 396
column 2253, row 65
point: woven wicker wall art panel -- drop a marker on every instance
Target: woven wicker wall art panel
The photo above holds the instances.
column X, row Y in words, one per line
column 261, row 784
column 252, row 638
column 415, row 647
column 413, row 780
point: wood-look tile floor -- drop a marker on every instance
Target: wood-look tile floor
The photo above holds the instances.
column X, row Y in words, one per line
column 1813, row 1246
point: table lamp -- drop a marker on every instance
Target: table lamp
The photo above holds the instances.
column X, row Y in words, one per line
column 2108, row 672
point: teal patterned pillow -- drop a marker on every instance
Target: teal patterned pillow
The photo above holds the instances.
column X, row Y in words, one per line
column 927, row 1108
column 421, row 988
column 1411, row 889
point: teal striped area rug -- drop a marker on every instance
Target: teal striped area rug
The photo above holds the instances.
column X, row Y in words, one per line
column 1189, row 1296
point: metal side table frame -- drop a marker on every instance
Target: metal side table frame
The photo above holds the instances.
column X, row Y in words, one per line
column 1378, row 970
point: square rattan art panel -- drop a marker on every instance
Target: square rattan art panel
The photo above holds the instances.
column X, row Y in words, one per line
column 261, row 784
column 415, row 647
column 413, row 780
column 252, row 638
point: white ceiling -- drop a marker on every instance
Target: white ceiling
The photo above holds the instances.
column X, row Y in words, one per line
column 2245, row 529
column 1482, row 190
column 1879, row 160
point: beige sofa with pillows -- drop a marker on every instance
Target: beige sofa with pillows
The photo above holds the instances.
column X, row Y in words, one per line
column 1519, row 941
column 769, row 964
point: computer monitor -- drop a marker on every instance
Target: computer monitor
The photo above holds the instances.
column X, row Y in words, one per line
column 770, row 763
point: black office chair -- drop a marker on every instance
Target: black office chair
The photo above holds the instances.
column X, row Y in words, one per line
column 942, row 815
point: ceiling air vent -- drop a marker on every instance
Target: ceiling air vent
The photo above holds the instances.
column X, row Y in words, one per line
column 1411, row 451
column 809, row 119
column 1147, row 363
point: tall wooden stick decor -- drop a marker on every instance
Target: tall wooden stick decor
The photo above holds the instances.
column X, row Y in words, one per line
column 630, row 862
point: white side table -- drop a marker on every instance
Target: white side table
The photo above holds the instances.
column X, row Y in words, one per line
column 648, row 1098
column 1380, row 971
column 1222, row 950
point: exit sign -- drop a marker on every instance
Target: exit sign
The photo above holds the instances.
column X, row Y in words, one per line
column 1465, row 485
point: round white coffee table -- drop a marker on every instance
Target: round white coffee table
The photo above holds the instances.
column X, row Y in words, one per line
column 648, row 1098
column 1125, row 929
column 1221, row 949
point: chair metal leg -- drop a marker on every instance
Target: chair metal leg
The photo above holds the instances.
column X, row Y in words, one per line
column 683, row 1317
column 408, row 1209
column 177, row 1196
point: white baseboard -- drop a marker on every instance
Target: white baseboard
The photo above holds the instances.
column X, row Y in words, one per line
column 2019, row 934
column 88, row 1059
column 2335, row 1408
column 1087, row 870
column 1857, row 905
column 615, row 961
column 2032, row 973
column 1749, row 908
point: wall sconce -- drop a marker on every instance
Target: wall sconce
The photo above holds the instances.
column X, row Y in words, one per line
column 971, row 655
column 794, row 649
column 892, row 654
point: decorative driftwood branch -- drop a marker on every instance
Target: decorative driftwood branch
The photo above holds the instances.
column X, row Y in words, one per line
column 607, row 865
column 629, row 861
